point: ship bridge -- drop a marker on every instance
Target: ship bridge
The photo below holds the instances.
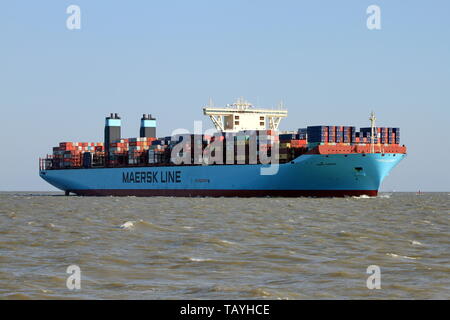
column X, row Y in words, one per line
column 242, row 115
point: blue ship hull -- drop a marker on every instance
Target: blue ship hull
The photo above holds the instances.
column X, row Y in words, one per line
column 308, row 175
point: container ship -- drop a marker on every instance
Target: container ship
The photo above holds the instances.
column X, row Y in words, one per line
column 245, row 156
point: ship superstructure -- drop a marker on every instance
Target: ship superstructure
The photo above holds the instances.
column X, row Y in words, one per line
column 242, row 115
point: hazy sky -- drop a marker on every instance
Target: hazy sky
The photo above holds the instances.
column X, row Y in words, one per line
column 168, row 58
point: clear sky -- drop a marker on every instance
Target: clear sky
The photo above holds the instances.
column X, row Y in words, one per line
column 168, row 58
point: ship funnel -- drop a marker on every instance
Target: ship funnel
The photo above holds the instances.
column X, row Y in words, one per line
column 112, row 129
column 148, row 126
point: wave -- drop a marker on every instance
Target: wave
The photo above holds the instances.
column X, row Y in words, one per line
column 227, row 242
column 363, row 196
column 199, row 259
column 393, row 255
column 141, row 224
column 49, row 226
column 128, row 225
column 149, row 225
column 222, row 242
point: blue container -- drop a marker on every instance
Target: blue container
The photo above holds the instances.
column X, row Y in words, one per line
column 287, row 136
column 316, row 139
column 168, row 139
column 156, row 142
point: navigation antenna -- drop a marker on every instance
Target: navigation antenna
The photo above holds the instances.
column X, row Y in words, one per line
column 372, row 132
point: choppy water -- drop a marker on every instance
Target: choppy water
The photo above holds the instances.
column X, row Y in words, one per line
column 224, row 248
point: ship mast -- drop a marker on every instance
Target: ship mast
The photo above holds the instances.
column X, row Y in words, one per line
column 372, row 132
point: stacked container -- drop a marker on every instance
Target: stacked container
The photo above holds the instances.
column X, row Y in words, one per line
column 70, row 154
column 301, row 133
column 339, row 134
column 396, row 132
column 331, row 134
column 317, row 134
column 234, row 148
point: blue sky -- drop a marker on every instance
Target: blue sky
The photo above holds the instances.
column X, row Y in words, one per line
column 169, row 57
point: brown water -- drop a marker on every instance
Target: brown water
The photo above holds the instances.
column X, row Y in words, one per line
column 224, row 248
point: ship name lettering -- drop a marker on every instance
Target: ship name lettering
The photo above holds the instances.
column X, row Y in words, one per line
column 171, row 176
column 151, row 177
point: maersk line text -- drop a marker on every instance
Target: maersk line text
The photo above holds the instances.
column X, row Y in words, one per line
column 151, row 177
